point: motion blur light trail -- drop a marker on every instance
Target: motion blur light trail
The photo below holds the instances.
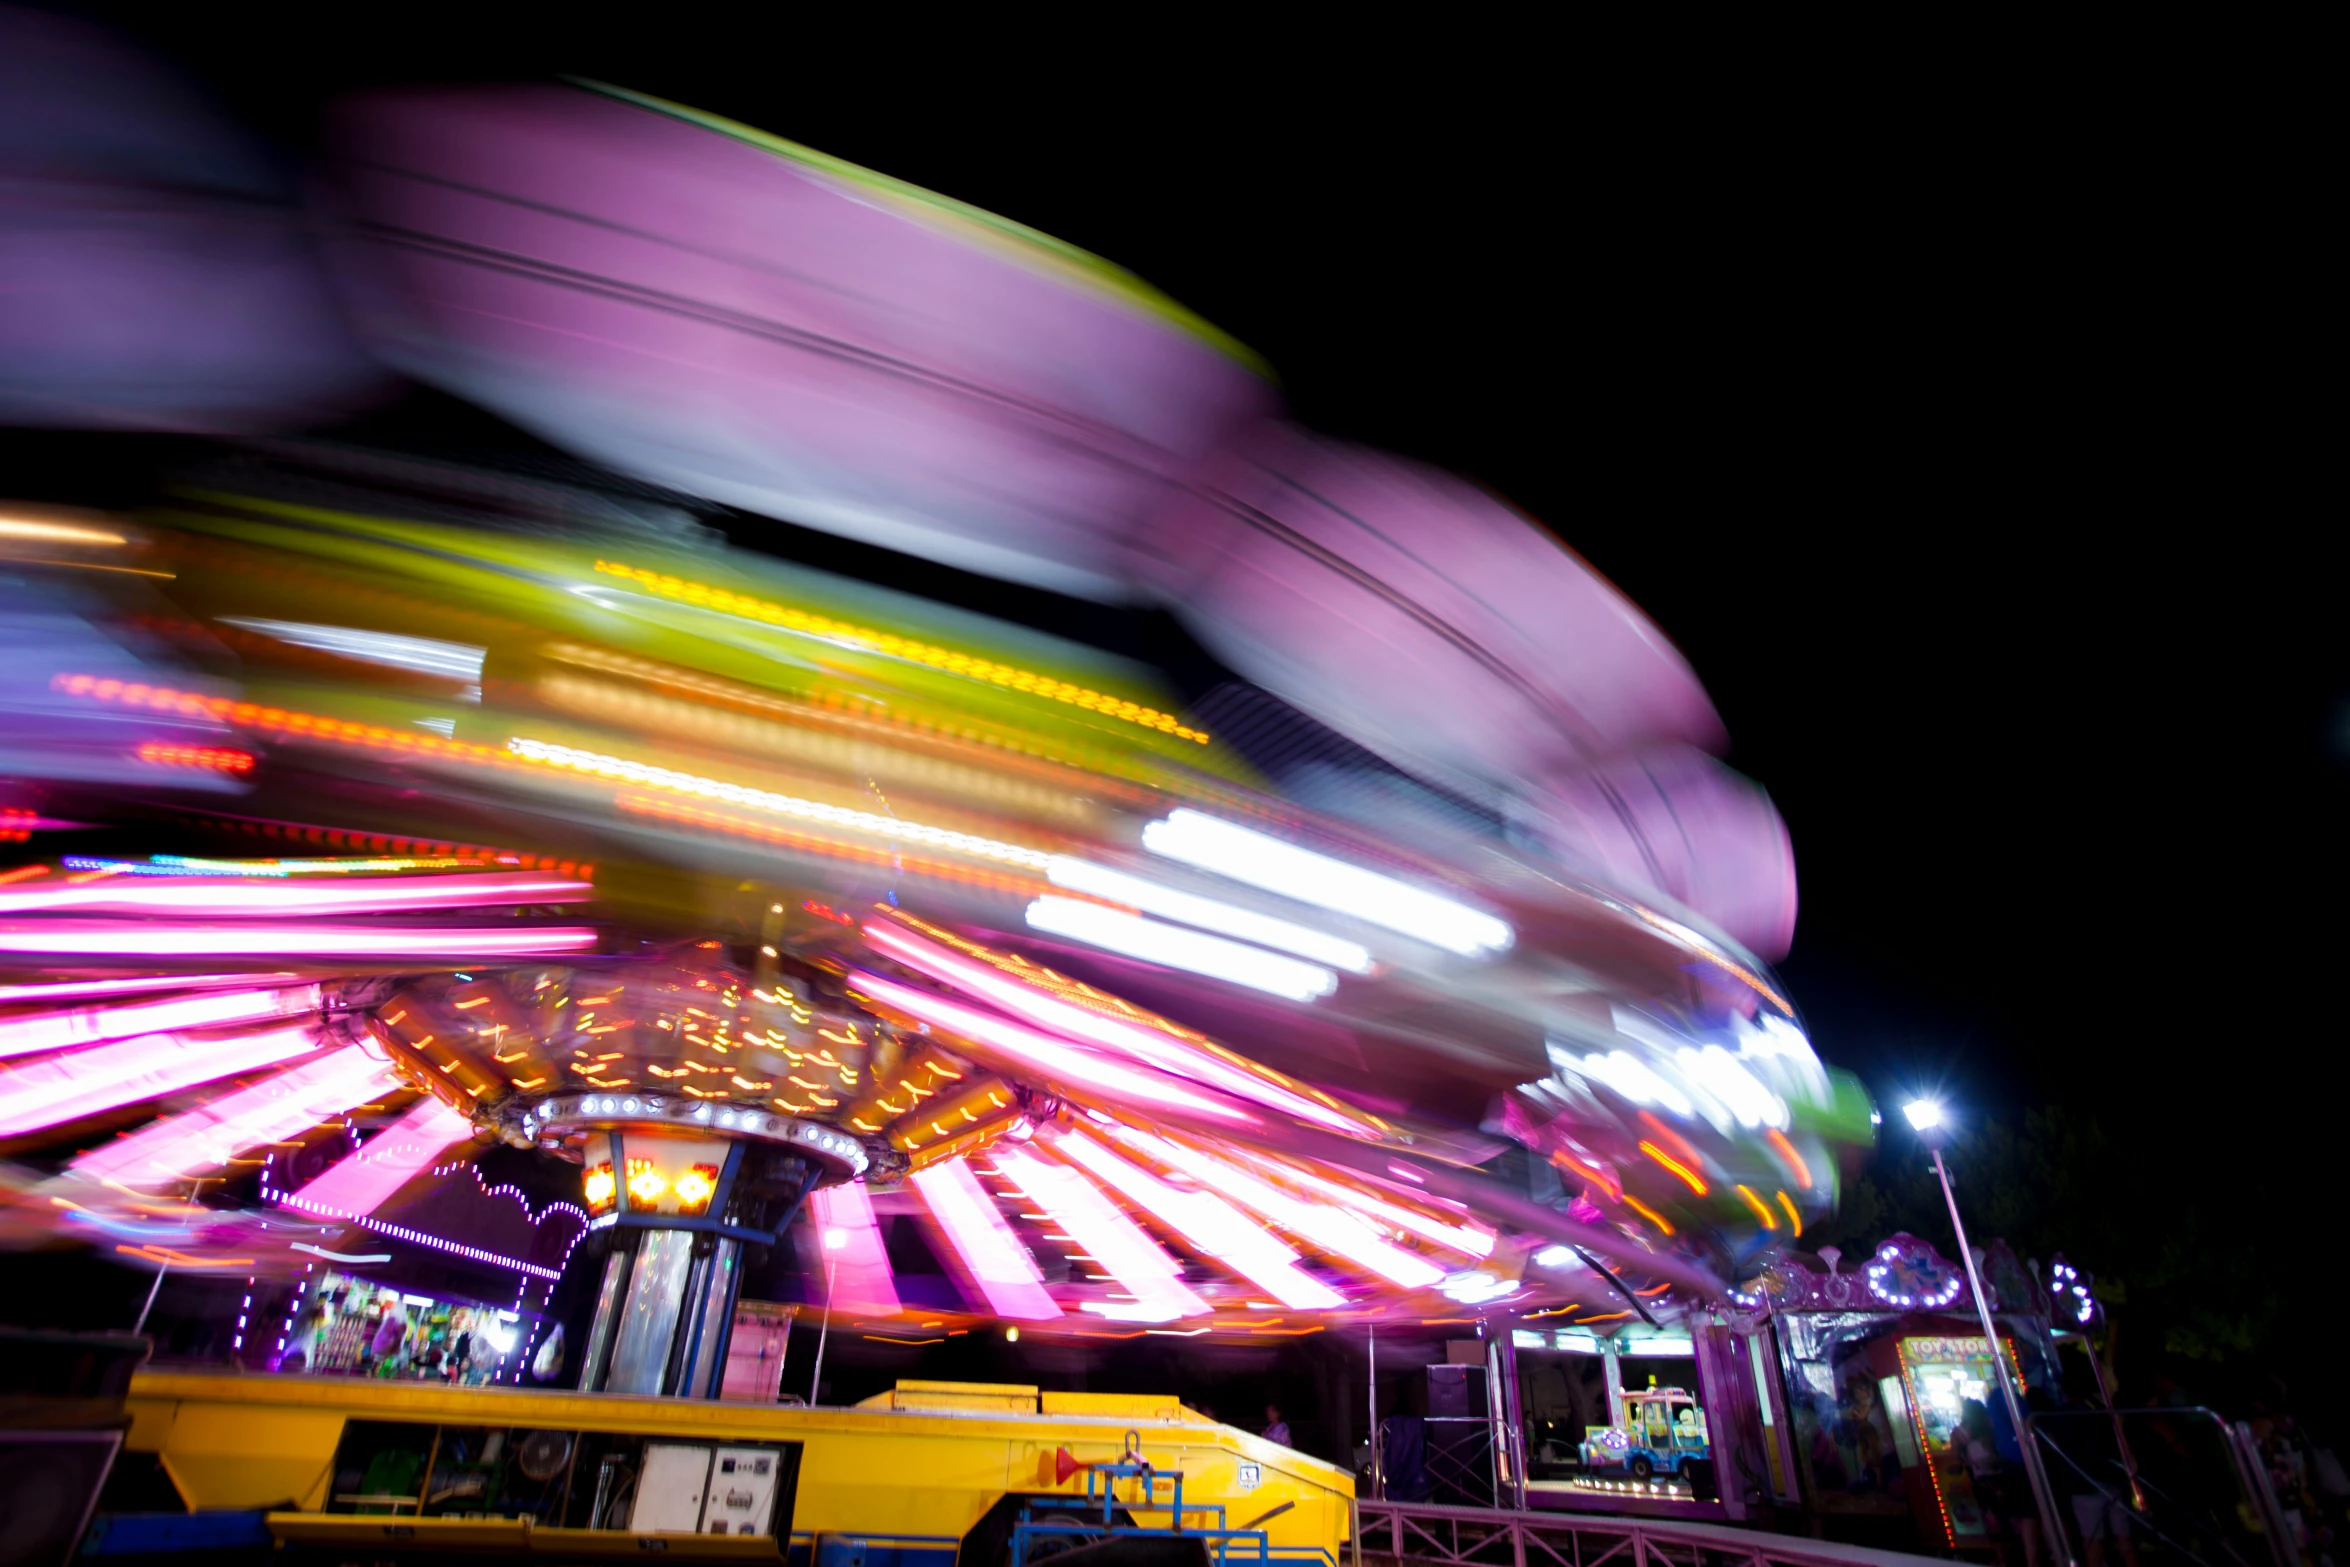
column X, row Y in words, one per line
column 384, row 822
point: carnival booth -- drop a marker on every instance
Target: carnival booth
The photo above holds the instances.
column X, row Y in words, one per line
column 355, row 1328
column 1876, row 1367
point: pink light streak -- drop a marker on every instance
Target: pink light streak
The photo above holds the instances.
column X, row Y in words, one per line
column 71, row 989
column 1002, row 1268
column 1333, row 1229
column 849, row 1245
column 83, row 1025
column 243, row 897
column 1468, row 1239
column 1117, row 1243
column 366, row 1180
column 1209, row 1224
column 104, row 1077
column 1162, row 1050
column 1069, row 1063
column 268, row 1112
column 126, row 938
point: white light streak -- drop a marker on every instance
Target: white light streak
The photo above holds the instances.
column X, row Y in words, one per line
column 1253, row 857
column 450, row 660
column 1177, row 948
column 1717, row 1072
column 1628, row 1076
column 1208, row 914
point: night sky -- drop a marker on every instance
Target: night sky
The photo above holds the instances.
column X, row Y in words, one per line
column 1943, row 413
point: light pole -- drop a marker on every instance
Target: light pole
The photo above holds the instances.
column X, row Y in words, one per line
column 153, row 1290
column 1925, row 1118
column 834, row 1240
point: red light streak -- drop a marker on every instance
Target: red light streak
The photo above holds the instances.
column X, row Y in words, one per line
column 313, row 726
column 211, row 758
column 1665, row 1136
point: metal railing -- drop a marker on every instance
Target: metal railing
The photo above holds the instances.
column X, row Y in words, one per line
column 1482, row 1537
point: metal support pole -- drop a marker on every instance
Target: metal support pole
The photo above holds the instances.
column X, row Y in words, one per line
column 734, row 1292
column 720, row 1262
column 1378, row 1452
column 1501, row 1354
column 153, row 1290
column 2043, row 1499
column 2121, row 1441
column 823, row 1330
column 1493, row 1431
column 696, row 1308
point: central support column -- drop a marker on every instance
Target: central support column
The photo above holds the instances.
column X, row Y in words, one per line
column 681, row 1200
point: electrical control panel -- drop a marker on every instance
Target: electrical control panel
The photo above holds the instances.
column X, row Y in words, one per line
column 564, row 1479
column 702, row 1490
column 741, row 1497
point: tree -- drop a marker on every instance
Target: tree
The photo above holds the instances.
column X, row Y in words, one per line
column 2173, row 1256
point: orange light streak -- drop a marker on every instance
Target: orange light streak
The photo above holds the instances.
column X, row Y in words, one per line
column 181, row 1259
column 1646, row 1212
column 1762, row 1210
column 1794, row 1219
column 1794, row 1160
column 1689, row 1177
column 1568, row 1163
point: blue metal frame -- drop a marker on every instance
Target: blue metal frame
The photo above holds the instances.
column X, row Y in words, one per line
column 1100, row 1487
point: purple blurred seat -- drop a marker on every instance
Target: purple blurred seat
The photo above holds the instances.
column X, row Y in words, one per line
column 742, row 319
column 154, row 270
column 1415, row 613
column 1673, row 823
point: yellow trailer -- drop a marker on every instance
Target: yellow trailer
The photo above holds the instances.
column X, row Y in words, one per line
column 929, row 1475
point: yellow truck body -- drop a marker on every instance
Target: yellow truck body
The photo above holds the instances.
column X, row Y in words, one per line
column 902, row 1480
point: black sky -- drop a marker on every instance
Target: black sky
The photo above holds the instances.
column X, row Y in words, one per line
column 1939, row 397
